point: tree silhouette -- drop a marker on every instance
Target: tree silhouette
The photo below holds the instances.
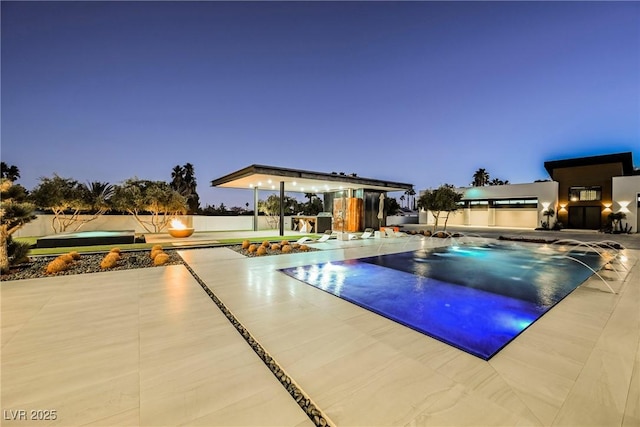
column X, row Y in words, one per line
column 480, row 178
column 11, row 173
column 183, row 180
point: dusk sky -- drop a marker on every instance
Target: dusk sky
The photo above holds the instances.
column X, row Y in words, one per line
column 416, row 92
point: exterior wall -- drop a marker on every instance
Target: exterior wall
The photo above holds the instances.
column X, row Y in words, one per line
column 579, row 176
column 41, row 226
column 516, row 217
column 545, row 192
column 402, row 219
column 625, row 199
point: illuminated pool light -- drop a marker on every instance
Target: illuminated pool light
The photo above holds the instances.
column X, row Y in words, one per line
column 477, row 299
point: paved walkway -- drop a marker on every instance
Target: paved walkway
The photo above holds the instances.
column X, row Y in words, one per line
column 149, row 347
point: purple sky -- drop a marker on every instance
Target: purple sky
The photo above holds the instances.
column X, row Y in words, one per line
column 417, row 92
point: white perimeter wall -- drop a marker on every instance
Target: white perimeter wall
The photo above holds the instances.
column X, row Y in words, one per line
column 41, row 226
column 625, row 199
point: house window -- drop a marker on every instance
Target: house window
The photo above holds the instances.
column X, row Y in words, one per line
column 478, row 204
column 582, row 194
column 515, row 203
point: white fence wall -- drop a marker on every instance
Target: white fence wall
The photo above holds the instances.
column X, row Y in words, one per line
column 41, row 226
column 402, row 219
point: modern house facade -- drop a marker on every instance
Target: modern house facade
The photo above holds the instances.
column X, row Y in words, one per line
column 583, row 192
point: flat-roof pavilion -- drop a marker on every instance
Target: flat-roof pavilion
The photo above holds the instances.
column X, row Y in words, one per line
column 261, row 177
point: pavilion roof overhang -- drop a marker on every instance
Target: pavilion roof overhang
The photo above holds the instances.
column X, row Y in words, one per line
column 301, row 181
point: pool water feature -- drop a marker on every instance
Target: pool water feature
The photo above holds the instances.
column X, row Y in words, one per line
column 474, row 297
column 87, row 238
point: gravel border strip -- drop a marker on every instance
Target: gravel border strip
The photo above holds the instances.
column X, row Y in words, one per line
column 301, row 398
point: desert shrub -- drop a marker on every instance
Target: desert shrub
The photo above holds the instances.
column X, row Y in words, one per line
column 75, row 255
column 284, row 243
column 156, row 248
column 66, row 258
column 18, row 251
column 116, row 250
column 286, row 249
column 246, row 244
column 252, row 248
column 275, row 247
column 110, row 260
column 161, row 259
column 56, row 266
column 304, row 248
column 295, row 245
column 155, row 252
column 266, row 244
column 262, row 250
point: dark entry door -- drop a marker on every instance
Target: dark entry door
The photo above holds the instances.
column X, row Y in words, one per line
column 584, row 217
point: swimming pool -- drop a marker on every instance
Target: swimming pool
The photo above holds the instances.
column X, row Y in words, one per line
column 475, row 297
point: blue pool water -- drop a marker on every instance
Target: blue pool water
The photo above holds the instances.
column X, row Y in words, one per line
column 476, row 298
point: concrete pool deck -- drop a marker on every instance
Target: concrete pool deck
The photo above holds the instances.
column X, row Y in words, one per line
column 149, row 347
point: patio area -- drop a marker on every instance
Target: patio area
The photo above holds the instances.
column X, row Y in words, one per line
column 150, row 347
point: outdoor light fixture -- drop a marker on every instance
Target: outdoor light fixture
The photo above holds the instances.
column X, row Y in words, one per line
column 545, row 205
column 623, row 206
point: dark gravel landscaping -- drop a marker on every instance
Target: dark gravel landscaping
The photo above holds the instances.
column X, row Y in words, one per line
column 88, row 263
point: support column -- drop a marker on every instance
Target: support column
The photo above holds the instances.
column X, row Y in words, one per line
column 255, row 208
column 282, row 208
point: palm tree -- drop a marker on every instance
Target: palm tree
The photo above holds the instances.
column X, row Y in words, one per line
column 480, row 178
column 549, row 212
column 99, row 194
column 411, row 200
column 177, row 178
column 184, row 182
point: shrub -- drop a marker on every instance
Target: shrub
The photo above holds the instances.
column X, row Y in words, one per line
column 161, row 259
column 110, row 260
column 286, row 249
column 18, row 251
column 275, row 247
column 75, row 255
column 116, row 250
column 56, row 266
column 253, row 248
column 284, row 243
column 266, row 244
column 262, row 250
column 156, row 248
column 155, row 252
column 304, row 248
column 246, row 244
column 68, row 259
column 295, row 245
